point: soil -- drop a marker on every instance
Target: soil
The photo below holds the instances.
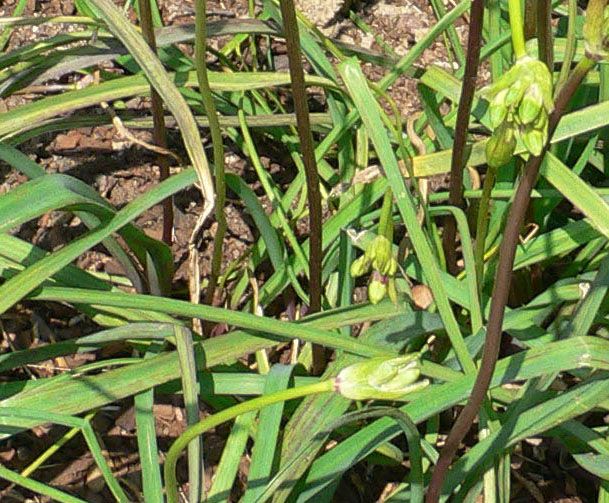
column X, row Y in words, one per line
column 120, row 171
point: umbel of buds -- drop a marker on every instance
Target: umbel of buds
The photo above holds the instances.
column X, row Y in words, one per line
column 379, row 259
column 596, row 30
column 381, row 378
column 520, row 103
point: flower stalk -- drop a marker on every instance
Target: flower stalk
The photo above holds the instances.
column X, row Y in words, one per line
column 301, row 109
column 159, row 133
column 517, row 28
column 458, row 160
column 377, row 378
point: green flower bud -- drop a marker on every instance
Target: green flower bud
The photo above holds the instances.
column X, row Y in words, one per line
column 531, row 104
column 360, row 266
column 498, row 109
column 381, row 378
column 515, row 93
column 377, row 289
column 392, row 268
column 501, row 146
column 380, row 254
column 533, row 140
column 596, row 30
column 541, row 122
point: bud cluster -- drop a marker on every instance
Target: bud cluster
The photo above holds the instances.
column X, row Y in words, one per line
column 381, row 378
column 379, row 259
column 596, row 30
column 520, row 104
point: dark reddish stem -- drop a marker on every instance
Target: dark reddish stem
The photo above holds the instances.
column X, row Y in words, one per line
column 301, row 109
column 159, row 134
column 468, row 89
column 544, row 32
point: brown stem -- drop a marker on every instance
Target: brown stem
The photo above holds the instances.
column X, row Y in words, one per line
column 159, row 133
column 530, row 19
column 544, row 32
column 468, row 89
column 501, row 290
column 301, row 108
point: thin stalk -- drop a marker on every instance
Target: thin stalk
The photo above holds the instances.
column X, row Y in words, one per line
column 530, row 19
column 7, row 32
column 437, row 197
column 226, row 415
column 482, row 223
column 159, row 133
column 571, row 42
column 216, row 139
column 494, row 28
column 545, row 39
column 450, row 34
column 301, row 109
column 386, row 221
column 468, row 89
column 40, row 460
column 517, row 28
column 501, row 289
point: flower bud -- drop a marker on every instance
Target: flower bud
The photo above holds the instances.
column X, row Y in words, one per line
column 498, row 109
column 381, row 254
column 381, row 378
column 541, row 122
column 515, row 93
column 531, row 105
column 360, row 266
column 377, row 289
column 533, row 140
column 501, row 146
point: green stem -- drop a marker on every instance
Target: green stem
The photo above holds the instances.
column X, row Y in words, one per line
column 482, row 223
column 216, row 138
column 386, row 222
column 40, row 460
column 494, row 28
column 594, row 33
column 517, row 27
column 570, row 45
column 226, row 415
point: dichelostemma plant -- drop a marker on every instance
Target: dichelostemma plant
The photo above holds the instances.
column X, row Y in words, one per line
column 520, row 104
